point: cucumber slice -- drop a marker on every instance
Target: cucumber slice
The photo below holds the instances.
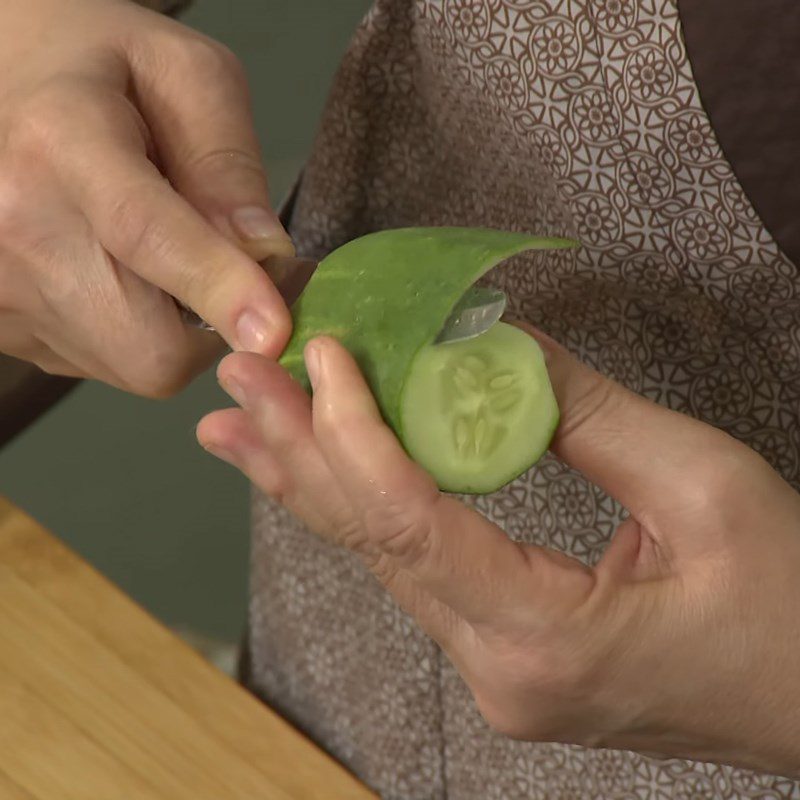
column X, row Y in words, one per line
column 478, row 413
column 387, row 295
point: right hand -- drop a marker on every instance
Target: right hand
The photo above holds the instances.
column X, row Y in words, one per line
column 129, row 171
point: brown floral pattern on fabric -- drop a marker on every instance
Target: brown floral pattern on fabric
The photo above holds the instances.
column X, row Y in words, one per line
column 552, row 116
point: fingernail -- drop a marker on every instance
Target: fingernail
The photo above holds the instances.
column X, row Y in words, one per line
column 221, row 453
column 233, row 388
column 255, row 222
column 252, row 331
column 312, row 357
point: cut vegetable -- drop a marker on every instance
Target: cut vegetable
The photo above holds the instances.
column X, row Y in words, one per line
column 385, row 297
column 478, row 413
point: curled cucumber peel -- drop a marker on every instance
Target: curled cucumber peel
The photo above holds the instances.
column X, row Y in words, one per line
column 475, row 413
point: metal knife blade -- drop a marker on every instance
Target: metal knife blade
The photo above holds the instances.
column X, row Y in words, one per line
column 477, row 311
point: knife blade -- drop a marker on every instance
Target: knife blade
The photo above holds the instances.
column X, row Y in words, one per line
column 477, row 311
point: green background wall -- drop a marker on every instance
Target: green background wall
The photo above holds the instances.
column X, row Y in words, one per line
column 121, row 479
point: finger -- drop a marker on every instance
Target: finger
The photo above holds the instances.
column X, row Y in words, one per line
column 629, row 446
column 449, row 550
column 194, row 96
column 112, row 324
column 20, row 343
column 171, row 362
column 91, row 310
column 53, row 364
column 281, row 411
column 278, row 404
column 232, row 436
column 147, row 226
column 162, row 367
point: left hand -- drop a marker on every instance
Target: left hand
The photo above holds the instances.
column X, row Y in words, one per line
column 683, row 641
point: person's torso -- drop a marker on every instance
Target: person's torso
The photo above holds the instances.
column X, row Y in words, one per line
column 550, row 116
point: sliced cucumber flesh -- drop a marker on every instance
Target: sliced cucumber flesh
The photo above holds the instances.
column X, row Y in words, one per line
column 386, row 297
column 478, row 413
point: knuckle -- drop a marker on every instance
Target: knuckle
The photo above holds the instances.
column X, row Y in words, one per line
column 334, row 426
column 135, row 235
column 131, row 227
column 223, row 161
column 154, row 388
column 378, row 563
column 38, row 121
column 230, row 63
column 350, row 535
column 33, row 126
column 278, row 487
column 192, row 282
column 157, row 388
column 725, row 469
column 161, row 373
column 284, row 441
column 401, row 531
column 131, row 223
column 11, row 196
column 46, row 366
column 25, row 350
column 56, row 367
column 39, row 109
column 522, row 665
column 207, row 57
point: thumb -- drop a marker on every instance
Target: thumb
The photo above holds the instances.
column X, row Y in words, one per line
column 632, row 448
column 199, row 113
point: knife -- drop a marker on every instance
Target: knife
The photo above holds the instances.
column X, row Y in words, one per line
column 477, row 311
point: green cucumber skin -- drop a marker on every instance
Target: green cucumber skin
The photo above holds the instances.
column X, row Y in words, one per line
column 387, row 294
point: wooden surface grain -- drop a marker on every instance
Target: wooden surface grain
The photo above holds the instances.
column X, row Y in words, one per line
column 98, row 701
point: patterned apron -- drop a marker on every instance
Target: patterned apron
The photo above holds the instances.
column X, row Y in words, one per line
column 549, row 116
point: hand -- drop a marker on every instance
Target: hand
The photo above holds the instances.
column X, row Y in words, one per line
column 129, row 171
column 683, row 641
